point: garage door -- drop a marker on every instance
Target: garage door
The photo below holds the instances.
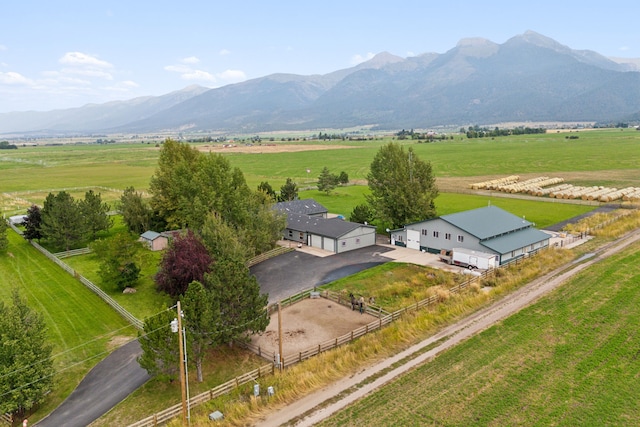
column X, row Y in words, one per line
column 413, row 239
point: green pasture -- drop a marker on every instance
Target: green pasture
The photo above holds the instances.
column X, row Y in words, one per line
column 571, row 359
column 81, row 327
column 543, row 212
column 122, row 165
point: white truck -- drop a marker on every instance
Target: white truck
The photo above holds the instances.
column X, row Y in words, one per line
column 468, row 258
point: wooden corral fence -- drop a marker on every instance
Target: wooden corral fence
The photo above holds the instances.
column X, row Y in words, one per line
column 72, row 252
column 269, row 254
column 6, row 419
column 175, row 410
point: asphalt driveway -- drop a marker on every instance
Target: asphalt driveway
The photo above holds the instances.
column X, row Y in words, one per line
column 296, row 271
column 108, row 383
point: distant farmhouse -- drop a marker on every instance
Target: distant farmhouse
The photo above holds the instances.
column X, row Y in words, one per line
column 307, row 224
column 490, row 229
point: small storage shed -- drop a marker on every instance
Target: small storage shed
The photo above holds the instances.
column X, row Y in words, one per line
column 155, row 241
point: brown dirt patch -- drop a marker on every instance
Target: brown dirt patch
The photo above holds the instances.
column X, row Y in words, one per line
column 267, row 148
column 309, row 323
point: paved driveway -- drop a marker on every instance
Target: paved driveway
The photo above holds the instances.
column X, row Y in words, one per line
column 290, row 273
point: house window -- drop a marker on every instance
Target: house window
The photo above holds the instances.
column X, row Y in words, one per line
column 447, row 236
column 290, row 233
column 460, row 239
column 436, row 234
column 425, row 232
column 344, row 243
column 357, row 241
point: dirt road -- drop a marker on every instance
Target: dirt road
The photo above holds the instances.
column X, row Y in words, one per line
column 311, row 410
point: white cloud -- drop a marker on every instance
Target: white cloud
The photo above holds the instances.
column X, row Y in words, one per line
column 82, row 59
column 624, row 48
column 409, row 54
column 232, row 76
column 12, row 78
column 357, row 58
column 3, row 47
column 224, row 52
column 190, row 60
column 198, row 75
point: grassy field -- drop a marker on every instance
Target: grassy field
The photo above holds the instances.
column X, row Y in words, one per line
column 81, row 327
column 571, row 359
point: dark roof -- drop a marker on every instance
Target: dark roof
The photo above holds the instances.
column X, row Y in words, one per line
column 328, row 227
column 487, row 222
column 305, row 207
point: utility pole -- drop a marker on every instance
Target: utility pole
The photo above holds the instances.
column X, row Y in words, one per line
column 280, row 334
column 182, row 376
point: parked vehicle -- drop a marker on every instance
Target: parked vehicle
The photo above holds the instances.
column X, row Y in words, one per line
column 468, row 258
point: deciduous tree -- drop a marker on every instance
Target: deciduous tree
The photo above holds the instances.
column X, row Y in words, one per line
column 26, row 366
column 402, row 186
column 361, row 214
column 185, row 260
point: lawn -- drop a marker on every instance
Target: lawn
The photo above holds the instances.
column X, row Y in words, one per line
column 570, row 359
column 81, row 327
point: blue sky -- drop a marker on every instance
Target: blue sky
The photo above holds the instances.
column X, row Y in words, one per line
column 62, row 54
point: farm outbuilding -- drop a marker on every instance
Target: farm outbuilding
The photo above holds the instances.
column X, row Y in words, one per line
column 310, row 226
column 490, row 229
column 154, row 241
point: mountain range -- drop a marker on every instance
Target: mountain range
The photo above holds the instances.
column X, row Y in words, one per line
column 528, row 78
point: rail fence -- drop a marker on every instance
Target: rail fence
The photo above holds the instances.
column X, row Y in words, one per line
column 95, row 289
column 269, row 254
column 175, row 410
column 72, row 252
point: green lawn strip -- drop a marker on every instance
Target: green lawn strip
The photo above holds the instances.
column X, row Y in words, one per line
column 80, row 325
column 570, row 359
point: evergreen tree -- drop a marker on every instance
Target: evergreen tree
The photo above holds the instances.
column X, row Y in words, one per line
column 289, row 191
column 32, row 223
column 118, row 256
column 201, row 320
column 160, row 352
column 266, row 188
column 4, row 239
column 237, row 293
column 361, row 214
column 135, row 212
column 95, row 213
column 403, row 188
column 326, row 181
column 62, row 223
column 26, row 366
column 343, row 178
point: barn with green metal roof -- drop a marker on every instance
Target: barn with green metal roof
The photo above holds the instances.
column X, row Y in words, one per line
column 489, row 229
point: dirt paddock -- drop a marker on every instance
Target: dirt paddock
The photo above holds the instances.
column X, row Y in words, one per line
column 307, row 323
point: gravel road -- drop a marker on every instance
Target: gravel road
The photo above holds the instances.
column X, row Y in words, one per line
column 310, row 409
